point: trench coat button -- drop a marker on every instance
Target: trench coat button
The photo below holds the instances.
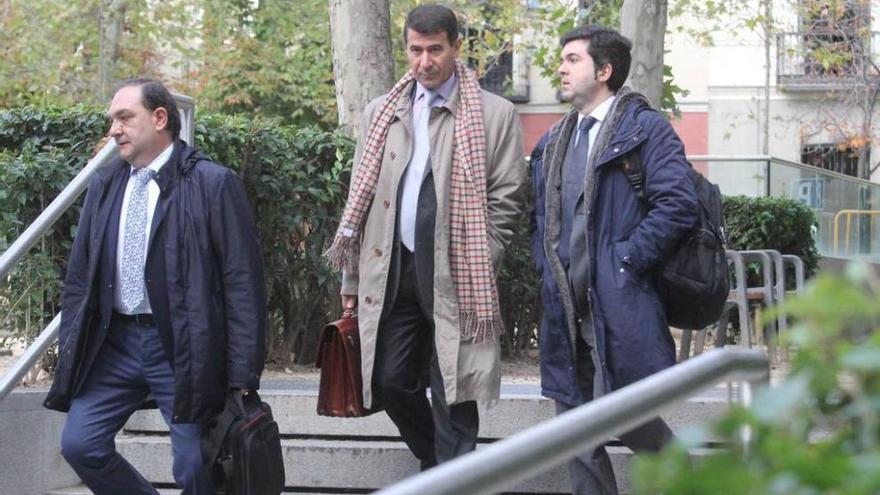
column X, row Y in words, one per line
column 626, row 259
column 368, row 300
column 616, row 150
column 378, row 253
column 387, row 204
column 393, row 155
column 622, row 270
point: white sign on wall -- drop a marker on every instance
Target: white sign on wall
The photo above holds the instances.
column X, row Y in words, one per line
column 809, row 192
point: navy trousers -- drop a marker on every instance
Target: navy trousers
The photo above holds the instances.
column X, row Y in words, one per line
column 130, row 365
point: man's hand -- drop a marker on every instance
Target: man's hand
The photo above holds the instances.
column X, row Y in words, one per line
column 349, row 304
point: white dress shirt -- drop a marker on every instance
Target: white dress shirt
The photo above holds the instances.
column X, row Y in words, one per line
column 152, row 200
column 599, row 113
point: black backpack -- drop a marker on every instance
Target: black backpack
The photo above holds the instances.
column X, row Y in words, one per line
column 693, row 281
column 241, row 448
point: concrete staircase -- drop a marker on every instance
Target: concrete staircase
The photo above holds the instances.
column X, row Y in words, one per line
column 359, row 455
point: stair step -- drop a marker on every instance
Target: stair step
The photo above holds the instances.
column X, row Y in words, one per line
column 82, row 490
column 323, row 465
column 295, row 413
column 355, row 455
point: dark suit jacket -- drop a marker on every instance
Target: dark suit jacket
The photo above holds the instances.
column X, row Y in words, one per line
column 426, row 214
column 204, row 278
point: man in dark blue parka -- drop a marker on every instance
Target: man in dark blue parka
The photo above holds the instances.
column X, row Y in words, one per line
column 164, row 297
column 595, row 246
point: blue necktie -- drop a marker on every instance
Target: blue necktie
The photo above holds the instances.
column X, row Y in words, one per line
column 134, row 241
column 573, row 171
column 576, row 168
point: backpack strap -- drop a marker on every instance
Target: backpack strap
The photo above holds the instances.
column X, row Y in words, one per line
column 631, row 163
column 215, row 435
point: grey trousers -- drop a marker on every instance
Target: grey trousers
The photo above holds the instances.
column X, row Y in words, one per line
column 591, row 472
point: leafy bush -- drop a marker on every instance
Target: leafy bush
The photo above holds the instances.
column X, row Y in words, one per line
column 40, row 150
column 818, row 432
column 296, row 179
column 782, row 224
column 519, row 290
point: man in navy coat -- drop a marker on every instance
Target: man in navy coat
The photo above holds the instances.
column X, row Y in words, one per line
column 164, row 297
column 595, row 246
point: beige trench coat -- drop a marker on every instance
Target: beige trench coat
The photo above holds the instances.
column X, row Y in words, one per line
column 471, row 371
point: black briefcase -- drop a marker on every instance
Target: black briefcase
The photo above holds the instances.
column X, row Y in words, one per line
column 242, row 448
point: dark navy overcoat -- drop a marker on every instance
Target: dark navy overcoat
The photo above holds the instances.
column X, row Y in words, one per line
column 204, row 278
column 626, row 243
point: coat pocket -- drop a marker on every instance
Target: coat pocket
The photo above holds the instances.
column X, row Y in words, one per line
column 625, row 272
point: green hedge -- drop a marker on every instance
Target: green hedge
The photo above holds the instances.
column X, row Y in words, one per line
column 296, row 179
column 782, row 224
column 817, row 432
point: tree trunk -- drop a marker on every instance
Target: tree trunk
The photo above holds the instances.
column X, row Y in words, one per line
column 110, row 32
column 768, row 20
column 363, row 66
column 644, row 22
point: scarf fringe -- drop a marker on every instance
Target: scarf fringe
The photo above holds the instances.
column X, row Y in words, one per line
column 481, row 330
column 344, row 253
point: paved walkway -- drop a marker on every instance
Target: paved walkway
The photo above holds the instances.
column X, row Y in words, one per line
column 519, row 377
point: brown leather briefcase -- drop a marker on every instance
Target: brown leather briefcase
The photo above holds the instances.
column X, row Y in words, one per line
column 339, row 357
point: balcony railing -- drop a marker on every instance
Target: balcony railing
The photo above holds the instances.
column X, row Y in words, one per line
column 826, row 59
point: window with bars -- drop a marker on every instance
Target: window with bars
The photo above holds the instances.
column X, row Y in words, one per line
column 831, row 156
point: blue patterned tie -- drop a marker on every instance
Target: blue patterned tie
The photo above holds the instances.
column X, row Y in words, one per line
column 134, row 241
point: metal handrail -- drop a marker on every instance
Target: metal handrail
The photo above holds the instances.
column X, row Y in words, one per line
column 29, row 358
column 24, row 243
column 71, row 192
column 186, row 106
column 849, row 214
column 502, row 464
column 55, row 209
column 781, row 161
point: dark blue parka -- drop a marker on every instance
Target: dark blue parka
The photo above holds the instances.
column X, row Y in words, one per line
column 625, row 243
column 204, row 278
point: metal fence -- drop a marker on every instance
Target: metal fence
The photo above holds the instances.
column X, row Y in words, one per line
column 820, row 59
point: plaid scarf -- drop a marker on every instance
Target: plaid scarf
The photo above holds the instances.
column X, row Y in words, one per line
column 469, row 255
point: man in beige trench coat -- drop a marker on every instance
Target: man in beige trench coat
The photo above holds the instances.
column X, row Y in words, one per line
column 436, row 190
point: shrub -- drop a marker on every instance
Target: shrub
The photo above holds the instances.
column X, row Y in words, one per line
column 782, row 224
column 296, row 180
column 818, row 432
